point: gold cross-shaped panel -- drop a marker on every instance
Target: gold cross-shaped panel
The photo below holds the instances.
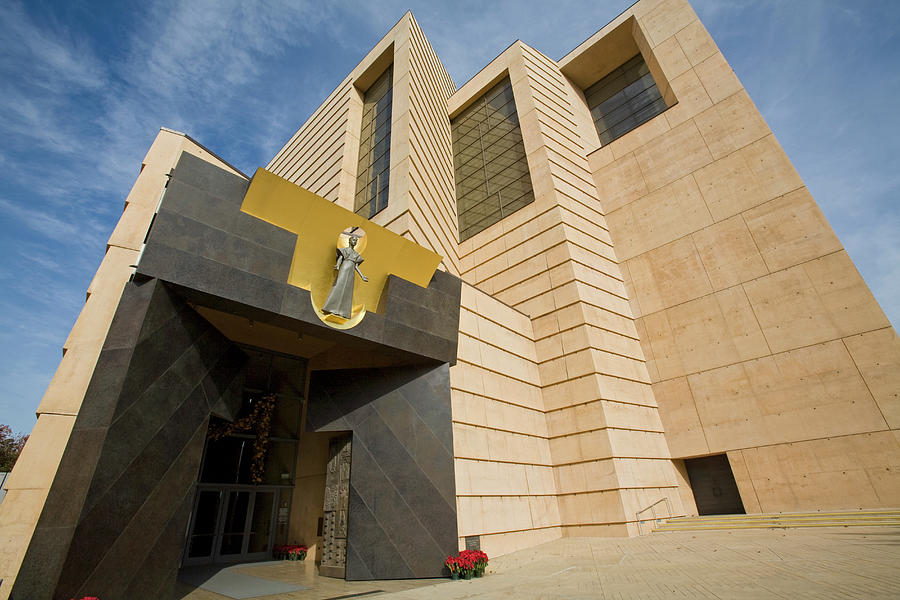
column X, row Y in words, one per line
column 318, row 223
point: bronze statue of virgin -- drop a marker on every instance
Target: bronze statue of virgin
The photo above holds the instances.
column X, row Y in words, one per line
column 340, row 299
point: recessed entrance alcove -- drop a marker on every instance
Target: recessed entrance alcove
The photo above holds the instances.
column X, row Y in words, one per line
column 348, row 448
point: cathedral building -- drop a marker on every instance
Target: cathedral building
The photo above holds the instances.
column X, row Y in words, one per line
column 545, row 303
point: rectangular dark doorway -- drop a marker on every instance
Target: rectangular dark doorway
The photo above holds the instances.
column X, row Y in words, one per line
column 712, row 482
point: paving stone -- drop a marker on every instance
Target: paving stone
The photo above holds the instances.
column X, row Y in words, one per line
column 827, row 562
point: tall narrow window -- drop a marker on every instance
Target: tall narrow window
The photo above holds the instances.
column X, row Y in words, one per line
column 492, row 178
column 375, row 147
column 624, row 99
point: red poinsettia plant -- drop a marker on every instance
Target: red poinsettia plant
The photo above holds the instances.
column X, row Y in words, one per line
column 290, row 552
column 479, row 558
column 452, row 564
column 467, row 564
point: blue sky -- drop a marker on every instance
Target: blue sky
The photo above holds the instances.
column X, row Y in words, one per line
column 85, row 86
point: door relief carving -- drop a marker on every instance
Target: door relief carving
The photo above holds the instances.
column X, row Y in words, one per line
column 337, row 499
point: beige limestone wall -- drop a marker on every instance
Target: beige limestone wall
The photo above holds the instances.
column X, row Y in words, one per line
column 554, row 261
column 432, row 220
column 609, row 450
column 505, row 487
column 761, row 338
column 30, row 480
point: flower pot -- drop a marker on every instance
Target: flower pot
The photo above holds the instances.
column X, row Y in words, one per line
column 467, row 575
column 454, row 576
column 479, row 573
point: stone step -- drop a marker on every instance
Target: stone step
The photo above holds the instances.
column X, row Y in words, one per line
column 789, row 516
column 859, row 518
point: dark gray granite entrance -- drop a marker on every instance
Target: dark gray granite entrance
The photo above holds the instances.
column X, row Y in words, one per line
column 117, row 511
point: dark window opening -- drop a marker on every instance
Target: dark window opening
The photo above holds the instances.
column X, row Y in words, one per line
column 373, row 169
column 492, row 177
column 624, row 99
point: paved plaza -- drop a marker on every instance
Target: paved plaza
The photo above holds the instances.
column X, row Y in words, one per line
column 838, row 562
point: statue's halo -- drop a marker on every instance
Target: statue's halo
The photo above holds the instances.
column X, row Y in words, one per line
column 343, row 239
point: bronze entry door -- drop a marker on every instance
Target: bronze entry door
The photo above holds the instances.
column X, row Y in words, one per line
column 337, row 499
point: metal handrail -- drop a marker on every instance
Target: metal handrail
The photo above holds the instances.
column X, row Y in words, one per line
column 652, row 507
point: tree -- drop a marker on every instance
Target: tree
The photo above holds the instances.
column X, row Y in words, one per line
column 10, row 447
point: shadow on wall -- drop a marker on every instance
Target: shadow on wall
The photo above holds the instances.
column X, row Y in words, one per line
column 402, row 485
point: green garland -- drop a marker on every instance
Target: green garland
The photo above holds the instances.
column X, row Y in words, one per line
column 259, row 420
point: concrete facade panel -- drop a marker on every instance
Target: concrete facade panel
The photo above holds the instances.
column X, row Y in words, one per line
column 658, row 218
column 730, row 186
column 673, row 155
column 877, row 356
column 729, row 253
column 790, row 230
column 839, row 472
column 669, row 275
column 790, row 311
column 763, row 401
column 678, row 409
column 692, row 98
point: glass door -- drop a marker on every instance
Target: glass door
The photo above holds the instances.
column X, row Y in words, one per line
column 234, row 524
column 204, row 537
column 231, row 524
column 261, row 523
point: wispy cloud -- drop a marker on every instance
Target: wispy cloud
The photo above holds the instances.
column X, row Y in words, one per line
column 41, row 222
column 57, row 58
